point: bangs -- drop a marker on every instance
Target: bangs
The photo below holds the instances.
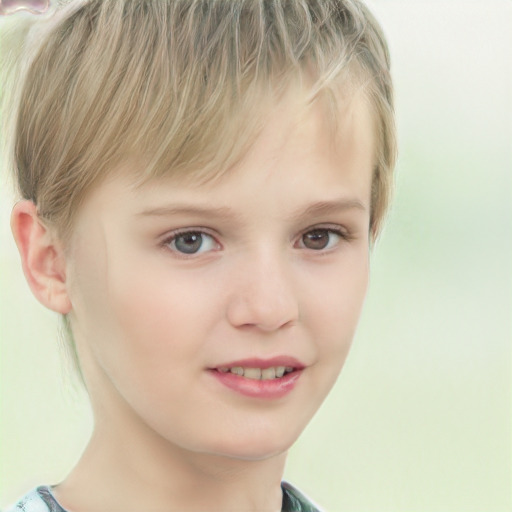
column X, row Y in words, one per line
column 182, row 86
column 188, row 91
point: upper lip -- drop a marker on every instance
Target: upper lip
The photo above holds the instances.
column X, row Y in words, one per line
column 256, row 362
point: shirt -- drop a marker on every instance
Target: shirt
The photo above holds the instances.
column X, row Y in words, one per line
column 41, row 499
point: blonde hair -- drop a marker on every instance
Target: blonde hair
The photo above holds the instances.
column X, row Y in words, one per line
column 181, row 86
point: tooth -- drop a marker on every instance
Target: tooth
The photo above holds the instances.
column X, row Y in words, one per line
column 289, row 369
column 223, row 369
column 268, row 373
column 252, row 373
column 238, row 370
column 280, row 371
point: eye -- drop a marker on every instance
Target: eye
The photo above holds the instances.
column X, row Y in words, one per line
column 322, row 238
column 191, row 242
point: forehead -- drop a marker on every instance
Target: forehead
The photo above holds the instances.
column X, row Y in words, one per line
column 337, row 131
column 299, row 151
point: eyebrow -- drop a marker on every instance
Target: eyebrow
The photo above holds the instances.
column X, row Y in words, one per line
column 224, row 213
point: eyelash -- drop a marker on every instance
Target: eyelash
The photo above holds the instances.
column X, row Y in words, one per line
column 344, row 236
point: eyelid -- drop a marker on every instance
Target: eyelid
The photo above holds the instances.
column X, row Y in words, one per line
column 329, row 227
column 181, row 231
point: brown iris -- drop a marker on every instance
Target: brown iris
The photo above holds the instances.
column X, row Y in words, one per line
column 317, row 239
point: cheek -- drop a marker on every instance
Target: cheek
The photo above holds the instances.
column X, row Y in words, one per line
column 155, row 310
column 135, row 313
column 336, row 306
column 143, row 327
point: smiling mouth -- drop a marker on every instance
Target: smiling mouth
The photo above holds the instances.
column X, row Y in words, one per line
column 267, row 378
column 272, row 382
column 271, row 373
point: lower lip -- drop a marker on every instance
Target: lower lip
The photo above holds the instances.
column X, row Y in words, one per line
column 267, row 389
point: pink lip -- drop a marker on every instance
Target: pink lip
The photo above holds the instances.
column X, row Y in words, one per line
column 264, row 389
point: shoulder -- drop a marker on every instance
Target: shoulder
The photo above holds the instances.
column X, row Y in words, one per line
column 39, row 499
column 295, row 501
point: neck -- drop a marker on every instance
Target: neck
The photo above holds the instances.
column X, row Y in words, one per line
column 120, row 471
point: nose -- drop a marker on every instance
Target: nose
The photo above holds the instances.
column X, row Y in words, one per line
column 263, row 295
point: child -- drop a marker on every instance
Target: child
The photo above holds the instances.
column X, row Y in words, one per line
column 201, row 183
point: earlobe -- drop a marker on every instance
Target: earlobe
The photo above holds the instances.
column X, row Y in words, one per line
column 42, row 257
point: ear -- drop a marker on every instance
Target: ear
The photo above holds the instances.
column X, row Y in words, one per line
column 42, row 257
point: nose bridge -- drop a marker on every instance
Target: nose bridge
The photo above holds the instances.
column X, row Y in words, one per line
column 264, row 294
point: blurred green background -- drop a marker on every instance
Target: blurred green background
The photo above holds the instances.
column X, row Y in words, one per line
column 420, row 419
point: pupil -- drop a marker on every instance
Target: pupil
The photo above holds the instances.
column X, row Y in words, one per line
column 189, row 243
column 317, row 239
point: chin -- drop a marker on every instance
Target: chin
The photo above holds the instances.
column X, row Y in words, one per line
column 252, row 453
column 260, row 446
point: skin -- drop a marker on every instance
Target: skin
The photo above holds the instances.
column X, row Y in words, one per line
column 149, row 321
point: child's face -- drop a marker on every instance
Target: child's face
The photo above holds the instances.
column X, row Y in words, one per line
column 157, row 318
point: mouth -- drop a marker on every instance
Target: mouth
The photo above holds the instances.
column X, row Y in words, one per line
column 274, row 372
column 257, row 378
